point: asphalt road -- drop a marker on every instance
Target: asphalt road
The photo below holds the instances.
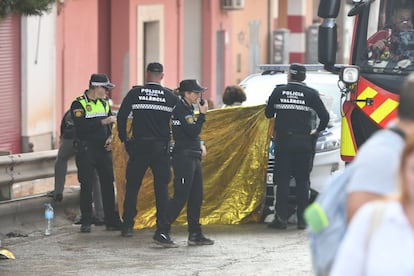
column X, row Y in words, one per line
column 247, row 249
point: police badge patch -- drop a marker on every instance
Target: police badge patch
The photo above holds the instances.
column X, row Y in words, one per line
column 88, row 108
column 190, row 119
column 78, row 112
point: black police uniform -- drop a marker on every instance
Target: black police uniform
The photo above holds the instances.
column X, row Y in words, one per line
column 186, row 160
column 67, row 127
column 151, row 107
column 92, row 157
column 294, row 146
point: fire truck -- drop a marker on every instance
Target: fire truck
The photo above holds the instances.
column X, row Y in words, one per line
column 382, row 55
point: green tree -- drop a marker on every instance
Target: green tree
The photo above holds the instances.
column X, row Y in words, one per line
column 24, row 7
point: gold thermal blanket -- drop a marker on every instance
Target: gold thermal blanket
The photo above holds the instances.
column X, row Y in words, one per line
column 234, row 170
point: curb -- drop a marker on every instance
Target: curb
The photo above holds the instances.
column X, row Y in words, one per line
column 26, row 215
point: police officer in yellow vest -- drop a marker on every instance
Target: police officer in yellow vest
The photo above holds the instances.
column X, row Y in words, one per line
column 93, row 121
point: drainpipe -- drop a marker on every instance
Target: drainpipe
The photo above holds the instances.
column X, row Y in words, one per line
column 179, row 39
column 269, row 31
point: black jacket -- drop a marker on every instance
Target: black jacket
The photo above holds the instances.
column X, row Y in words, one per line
column 293, row 105
column 151, row 106
column 186, row 127
column 67, row 126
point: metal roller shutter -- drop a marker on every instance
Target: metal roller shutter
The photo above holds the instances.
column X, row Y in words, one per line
column 10, row 110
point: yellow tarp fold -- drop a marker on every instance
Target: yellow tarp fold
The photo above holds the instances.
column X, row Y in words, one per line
column 234, row 169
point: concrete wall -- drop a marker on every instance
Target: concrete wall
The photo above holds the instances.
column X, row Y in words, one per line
column 76, row 50
column 243, row 38
column 193, row 42
column 38, row 82
column 83, row 37
column 215, row 20
column 127, row 48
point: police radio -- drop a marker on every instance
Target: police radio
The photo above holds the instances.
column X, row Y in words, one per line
column 201, row 99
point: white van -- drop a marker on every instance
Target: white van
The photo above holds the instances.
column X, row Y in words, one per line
column 258, row 88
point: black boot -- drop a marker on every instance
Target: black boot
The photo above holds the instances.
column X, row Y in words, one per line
column 127, row 231
column 164, row 239
column 278, row 223
column 199, row 239
column 301, row 222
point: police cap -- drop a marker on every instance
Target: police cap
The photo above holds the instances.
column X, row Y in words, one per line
column 101, row 80
column 155, row 67
column 297, row 71
column 191, row 86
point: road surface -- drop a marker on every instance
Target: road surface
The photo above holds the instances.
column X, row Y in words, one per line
column 247, row 249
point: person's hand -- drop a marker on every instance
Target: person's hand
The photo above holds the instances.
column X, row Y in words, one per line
column 203, row 107
column 108, row 120
column 203, row 150
column 379, row 45
column 314, row 133
column 108, row 144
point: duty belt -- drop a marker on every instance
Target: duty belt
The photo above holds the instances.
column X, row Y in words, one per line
column 189, row 153
column 296, row 133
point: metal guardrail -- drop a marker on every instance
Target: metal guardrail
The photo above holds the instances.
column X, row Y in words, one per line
column 22, row 167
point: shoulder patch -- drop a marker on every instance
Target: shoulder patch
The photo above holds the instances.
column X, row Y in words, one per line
column 78, row 112
column 190, row 119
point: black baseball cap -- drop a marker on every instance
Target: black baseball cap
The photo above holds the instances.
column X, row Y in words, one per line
column 297, row 71
column 155, row 67
column 191, row 86
column 101, row 80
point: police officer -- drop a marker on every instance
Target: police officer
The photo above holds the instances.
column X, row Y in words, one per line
column 186, row 159
column 93, row 121
column 151, row 106
column 66, row 151
column 292, row 106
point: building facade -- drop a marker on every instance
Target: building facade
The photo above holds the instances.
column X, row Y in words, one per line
column 46, row 61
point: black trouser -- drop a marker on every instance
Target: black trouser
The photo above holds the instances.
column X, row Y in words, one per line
column 91, row 158
column 188, row 188
column 293, row 157
column 155, row 155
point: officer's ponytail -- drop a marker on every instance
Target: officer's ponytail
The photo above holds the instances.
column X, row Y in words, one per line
column 177, row 91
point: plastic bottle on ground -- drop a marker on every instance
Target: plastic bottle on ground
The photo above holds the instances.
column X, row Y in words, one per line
column 49, row 215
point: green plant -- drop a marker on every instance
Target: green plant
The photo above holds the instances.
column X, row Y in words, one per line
column 24, row 7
